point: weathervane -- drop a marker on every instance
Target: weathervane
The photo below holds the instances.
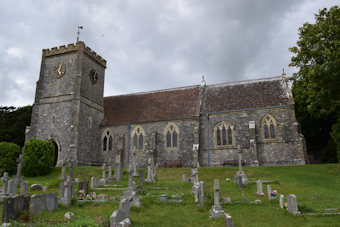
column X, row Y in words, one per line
column 78, row 32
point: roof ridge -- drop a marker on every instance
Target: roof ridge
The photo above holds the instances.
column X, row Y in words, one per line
column 247, row 81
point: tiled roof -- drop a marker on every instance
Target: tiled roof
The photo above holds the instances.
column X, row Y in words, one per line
column 151, row 106
column 245, row 95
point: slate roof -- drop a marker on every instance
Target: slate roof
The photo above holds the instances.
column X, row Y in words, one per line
column 250, row 94
column 179, row 103
column 152, row 106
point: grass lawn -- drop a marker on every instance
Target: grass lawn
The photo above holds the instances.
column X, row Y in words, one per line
column 315, row 186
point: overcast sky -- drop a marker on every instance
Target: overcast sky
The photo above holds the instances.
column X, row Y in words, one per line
column 151, row 45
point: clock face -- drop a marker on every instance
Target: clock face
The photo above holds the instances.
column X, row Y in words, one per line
column 93, row 76
column 59, row 70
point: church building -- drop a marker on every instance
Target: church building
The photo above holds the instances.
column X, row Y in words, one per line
column 256, row 117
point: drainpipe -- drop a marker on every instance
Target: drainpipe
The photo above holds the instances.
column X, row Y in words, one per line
column 128, row 146
column 207, row 121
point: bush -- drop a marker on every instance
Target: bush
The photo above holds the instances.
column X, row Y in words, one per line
column 39, row 157
column 9, row 152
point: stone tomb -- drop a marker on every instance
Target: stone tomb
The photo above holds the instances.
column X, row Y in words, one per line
column 14, row 206
column 43, row 202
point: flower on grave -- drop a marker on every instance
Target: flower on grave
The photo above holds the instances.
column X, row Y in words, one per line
column 273, row 193
column 261, row 194
column 88, row 197
column 101, row 221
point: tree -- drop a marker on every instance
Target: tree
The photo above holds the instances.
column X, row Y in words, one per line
column 9, row 152
column 316, row 85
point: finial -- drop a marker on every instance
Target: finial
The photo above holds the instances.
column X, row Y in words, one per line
column 78, row 32
column 203, row 81
column 283, row 72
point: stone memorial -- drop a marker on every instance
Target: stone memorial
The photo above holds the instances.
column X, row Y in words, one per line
column 94, row 182
column 18, row 178
column 228, row 221
column 14, row 206
column 269, row 191
column 125, row 223
column 118, row 162
column 5, row 180
column 293, row 205
column 72, row 163
column 259, row 187
column 24, row 188
column 63, row 170
column 141, row 177
column 67, row 195
column 216, row 210
column 12, row 187
column 240, row 172
column 134, row 162
column 43, row 202
column 184, row 178
column 195, row 163
column 84, row 186
column 281, row 201
column 104, row 171
column 122, row 213
column 201, row 194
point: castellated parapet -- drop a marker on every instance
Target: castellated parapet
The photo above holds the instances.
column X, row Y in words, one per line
column 80, row 46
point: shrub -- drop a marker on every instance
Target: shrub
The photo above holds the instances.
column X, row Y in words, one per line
column 9, row 152
column 39, row 157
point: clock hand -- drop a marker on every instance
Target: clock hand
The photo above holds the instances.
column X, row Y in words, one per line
column 59, row 68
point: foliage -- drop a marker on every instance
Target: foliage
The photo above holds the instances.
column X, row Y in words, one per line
column 13, row 122
column 38, row 156
column 317, row 82
column 9, row 152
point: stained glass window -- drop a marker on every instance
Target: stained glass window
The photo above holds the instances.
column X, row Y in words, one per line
column 174, row 139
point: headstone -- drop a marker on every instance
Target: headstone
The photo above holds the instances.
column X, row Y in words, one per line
column 72, row 163
column 240, row 172
column 141, row 177
column 118, row 162
column 63, row 170
column 149, row 178
column 292, row 204
column 14, row 206
column 61, row 190
column 43, row 202
column 184, row 178
column 44, row 188
column 5, row 180
column 121, row 214
column 134, row 163
column 281, row 202
column 12, row 187
column 36, row 187
column 66, row 199
column 124, row 205
column 20, row 160
column 228, row 221
column 201, row 194
column 110, row 169
column 104, row 171
column 24, row 188
column 269, row 191
column 125, row 223
column 130, row 177
column 259, row 187
column 195, row 163
column 216, row 210
column 94, row 182
column 84, row 185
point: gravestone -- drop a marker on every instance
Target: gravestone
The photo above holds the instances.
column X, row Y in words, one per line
column 72, row 163
column 125, row 223
column 84, row 185
column 118, row 162
column 104, row 171
column 63, row 170
column 24, row 188
column 5, row 180
column 12, row 187
column 61, row 190
column 134, row 163
column 201, row 194
column 94, row 182
column 141, row 177
column 14, row 206
column 240, row 172
column 195, row 163
column 228, row 220
column 43, row 202
column 259, row 187
column 20, row 161
column 122, row 213
column 110, row 169
column 184, row 178
column 293, row 205
column 269, row 191
column 216, row 210
column 281, row 202
column 67, row 195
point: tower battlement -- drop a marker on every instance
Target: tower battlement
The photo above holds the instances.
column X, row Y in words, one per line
column 72, row 48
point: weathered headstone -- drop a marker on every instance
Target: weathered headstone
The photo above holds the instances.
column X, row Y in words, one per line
column 12, row 187
column 20, row 161
column 125, row 223
column 201, row 194
column 61, row 190
column 14, row 206
column 94, row 182
column 269, row 191
column 63, row 170
column 281, row 202
column 66, row 199
column 24, row 188
column 104, row 171
column 228, row 220
column 84, row 185
column 5, row 180
column 134, row 163
column 141, row 177
column 259, row 187
column 118, row 162
column 184, row 178
column 110, row 168
column 216, row 210
column 195, row 163
column 43, row 202
column 72, row 163
column 122, row 213
column 240, row 172
column 292, row 204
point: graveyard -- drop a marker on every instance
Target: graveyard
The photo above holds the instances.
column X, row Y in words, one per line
column 170, row 200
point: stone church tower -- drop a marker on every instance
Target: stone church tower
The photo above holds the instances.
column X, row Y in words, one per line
column 68, row 107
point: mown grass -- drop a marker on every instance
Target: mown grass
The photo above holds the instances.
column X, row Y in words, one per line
column 316, row 187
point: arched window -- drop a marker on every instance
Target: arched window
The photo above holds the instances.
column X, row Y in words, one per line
column 107, row 139
column 171, row 133
column 138, row 136
column 224, row 135
column 269, row 128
